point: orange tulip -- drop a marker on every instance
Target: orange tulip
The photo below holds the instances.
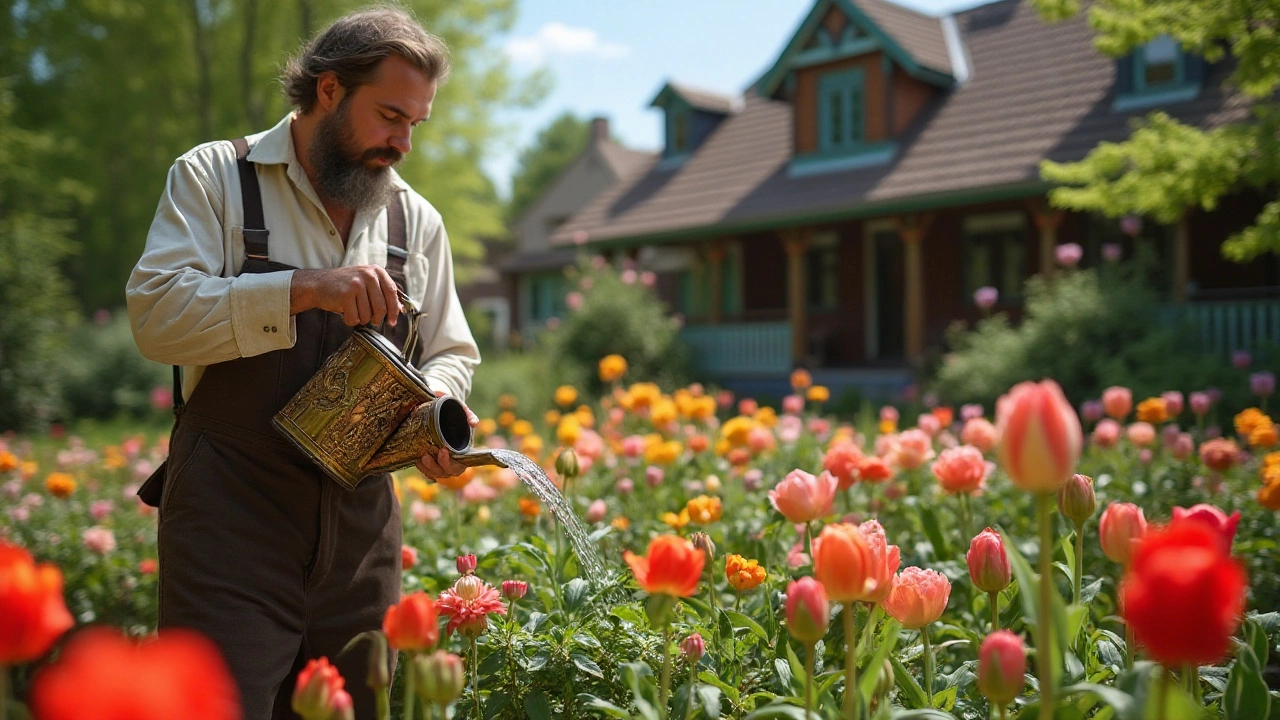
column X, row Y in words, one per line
column 412, row 623
column 34, row 614
column 918, row 597
column 885, row 559
column 844, row 563
column 743, row 574
column 672, row 566
column 1040, row 436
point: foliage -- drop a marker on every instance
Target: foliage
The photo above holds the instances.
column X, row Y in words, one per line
column 1088, row 330
column 619, row 315
column 517, row 374
column 124, row 100
column 107, row 376
column 555, row 147
column 33, row 293
column 1166, row 167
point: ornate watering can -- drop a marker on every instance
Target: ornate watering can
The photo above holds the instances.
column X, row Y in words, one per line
column 368, row 411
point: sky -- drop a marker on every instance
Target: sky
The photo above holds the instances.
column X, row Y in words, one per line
column 610, row 58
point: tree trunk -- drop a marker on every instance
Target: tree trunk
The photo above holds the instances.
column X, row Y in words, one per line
column 204, row 68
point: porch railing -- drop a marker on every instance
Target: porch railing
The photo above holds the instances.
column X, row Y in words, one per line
column 1227, row 325
column 739, row 348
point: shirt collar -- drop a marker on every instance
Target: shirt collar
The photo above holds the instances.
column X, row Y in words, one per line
column 275, row 147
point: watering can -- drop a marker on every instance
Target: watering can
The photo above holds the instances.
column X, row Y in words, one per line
column 368, row 411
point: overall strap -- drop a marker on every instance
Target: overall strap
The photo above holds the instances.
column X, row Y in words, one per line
column 397, row 244
column 255, row 227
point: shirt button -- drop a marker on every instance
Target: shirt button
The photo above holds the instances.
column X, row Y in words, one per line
column 273, row 328
column 333, row 232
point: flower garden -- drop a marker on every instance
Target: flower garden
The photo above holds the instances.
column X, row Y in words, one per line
column 1032, row 560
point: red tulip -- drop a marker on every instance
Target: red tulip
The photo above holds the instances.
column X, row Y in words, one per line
column 320, row 694
column 104, row 676
column 412, row 624
column 988, row 562
column 514, row 589
column 408, row 557
column 1213, row 518
column 1002, row 665
column 672, row 566
column 1040, row 436
column 466, row 564
column 1183, row 595
column 808, row 610
column 32, row 613
column 842, row 461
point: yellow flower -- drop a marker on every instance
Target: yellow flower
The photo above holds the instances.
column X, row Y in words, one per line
column 620, row 523
column 888, row 427
column 676, row 522
column 1264, row 435
column 1247, row 420
column 612, row 368
column 507, row 401
column 60, row 484
column 664, row 411
column 27, row 469
column 530, row 507
column 8, row 461
column 565, row 395
column 398, row 488
column 585, row 417
column 737, row 430
column 767, row 417
column 1153, row 410
column 801, row 379
column 723, row 446
column 520, row 428
column 703, row 509
column 743, row 574
column 1269, row 494
column 552, row 417
column 424, row 490
column 663, row 453
column 483, row 514
column 113, row 458
column 569, row 429
column 486, row 426
column 818, row 394
column 506, row 418
column 1272, row 459
column 531, row 446
column 644, row 395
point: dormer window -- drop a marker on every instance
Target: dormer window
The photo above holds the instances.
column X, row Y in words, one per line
column 1159, row 64
column 841, row 112
column 1157, row 73
column 679, row 132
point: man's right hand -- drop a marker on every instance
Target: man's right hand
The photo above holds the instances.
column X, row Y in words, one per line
column 361, row 295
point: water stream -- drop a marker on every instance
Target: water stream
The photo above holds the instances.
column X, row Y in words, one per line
column 589, row 560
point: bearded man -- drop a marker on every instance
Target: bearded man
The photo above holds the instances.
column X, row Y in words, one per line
column 264, row 253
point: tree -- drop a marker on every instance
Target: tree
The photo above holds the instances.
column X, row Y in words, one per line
column 555, row 147
column 129, row 85
column 1166, row 167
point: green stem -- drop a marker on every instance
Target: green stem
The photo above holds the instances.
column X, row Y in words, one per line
column 1078, row 576
column 1003, row 712
column 994, row 597
column 664, row 689
column 810, row 662
column 850, row 664
column 475, row 674
column 737, row 604
column 693, row 687
column 964, row 517
column 383, row 702
column 928, row 664
column 1044, row 624
column 409, row 692
column 808, row 541
column 1165, row 678
column 715, row 616
column 1129, row 641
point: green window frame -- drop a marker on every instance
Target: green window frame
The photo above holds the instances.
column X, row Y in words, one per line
column 841, row 111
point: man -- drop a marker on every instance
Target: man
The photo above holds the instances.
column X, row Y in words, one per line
column 250, row 289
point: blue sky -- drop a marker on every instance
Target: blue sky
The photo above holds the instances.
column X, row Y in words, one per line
column 610, row 57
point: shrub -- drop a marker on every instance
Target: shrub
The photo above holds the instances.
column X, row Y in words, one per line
column 106, row 376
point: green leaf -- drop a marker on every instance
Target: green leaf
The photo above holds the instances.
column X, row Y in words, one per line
column 575, row 592
column 740, row 621
column 777, row 711
column 1118, row 700
column 538, row 661
column 786, row 680
column 933, row 530
column 600, row 705
column 709, row 699
column 912, row 694
column 1256, row 637
column 922, row 714
column 889, row 640
column 537, row 706
column 945, row 699
column 629, row 614
column 586, row 665
column 708, row 677
column 496, row 702
column 1246, row 695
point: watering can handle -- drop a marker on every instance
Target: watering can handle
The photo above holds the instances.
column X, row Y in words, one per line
column 412, row 311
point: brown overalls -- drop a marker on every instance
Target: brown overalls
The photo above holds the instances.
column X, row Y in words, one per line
column 259, row 550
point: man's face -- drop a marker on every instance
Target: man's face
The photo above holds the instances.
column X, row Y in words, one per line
column 358, row 141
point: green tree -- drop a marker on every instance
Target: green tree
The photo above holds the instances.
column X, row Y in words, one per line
column 556, row 146
column 1166, row 167
column 129, row 85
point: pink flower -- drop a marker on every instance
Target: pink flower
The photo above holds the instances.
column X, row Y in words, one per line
column 808, row 610
column 648, row 279
column 1117, row 401
column 424, row 513
column 885, row 559
column 1241, row 359
column 918, row 597
column 748, row 406
column 1262, row 384
column 693, row 647
column 1091, row 410
column 1223, row 525
column 1107, row 433
column 988, row 562
column 99, row 540
column 929, row 424
column 1200, row 403
column 801, row 497
column 1121, row 525
column 986, row 297
column 514, row 589
column 1172, row 403
column 628, row 276
column 1183, row 447
column 161, row 398
column 596, row 511
column 1141, row 434
column 633, row 446
column 970, row 411
column 468, row 605
column 889, row 413
column 477, row 491
column 753, row 479
column 724, row 399
column 100, row 509
column 1112, row 252
column 842, row 460
column 980, row 433
column 653, row 476
column 408, row 557
column 789, row 429
column 915, row 448
column 1068, row 254
column 793, row 404
column 797, row 557
column 819, row 427
column 960, row 470
column 624, row 486
column 1002, row 667
column 466, row 564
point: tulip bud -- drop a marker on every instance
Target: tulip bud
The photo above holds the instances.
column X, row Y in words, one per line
column 567, row 464
column 514, row 589
column 808, row 610
column 1076, row 500
column 1002, row 663
column 466, row 564
column 596, row 511
column 703, row 542
column 319, row 693
column 1040, row 436
column 379, row 677
column 988, row 562
column 693, row 648
column 439, row 677
column 1120, row 526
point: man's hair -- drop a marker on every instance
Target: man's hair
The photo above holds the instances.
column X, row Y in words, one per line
column 353, row 47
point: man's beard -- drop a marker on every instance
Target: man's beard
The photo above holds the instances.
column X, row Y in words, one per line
column 342, row 174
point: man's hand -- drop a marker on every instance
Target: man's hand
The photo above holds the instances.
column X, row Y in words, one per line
column 362, row 294
column 438, row 464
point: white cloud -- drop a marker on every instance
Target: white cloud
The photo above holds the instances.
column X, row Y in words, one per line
column 557, row 39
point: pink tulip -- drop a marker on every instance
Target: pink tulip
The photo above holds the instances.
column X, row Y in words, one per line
column 1200, row 403
column 889, row 413
column 808, row 610
column 928, row 424
column 980, row 433
column 885, row 559
column 793, row 404
column 960, row 470
column 1040, row 436
column 986, row 297
column 970, row 411
column 1106, row 434
column 1092, row 410
column 1262, row 384
column 1122, row 524
column 1183, row 447
column 693, row 648
column 1241, row 359
column 801, row 497
column 1117, row 401
column 1223, row 525
column 1068, row 254
column 918, row 597
column 915, row 448
column 988, row 562
column 1172, row 403
column 1112, row 252
column 596, row 511
column 1002, row 667
column 748, row 406
column 1141, row 434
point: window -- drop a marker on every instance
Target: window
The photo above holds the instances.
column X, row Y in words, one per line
column 841, row 112
column 679, row 132
column 995, row 255
column 822, row 264
column 1158, row 64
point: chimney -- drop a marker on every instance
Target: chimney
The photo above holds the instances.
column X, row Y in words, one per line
column 599, row 130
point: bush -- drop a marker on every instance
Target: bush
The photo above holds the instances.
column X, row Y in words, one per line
column 1088, row 330
column 616, row 317
column 107, row 377
column 529, row 376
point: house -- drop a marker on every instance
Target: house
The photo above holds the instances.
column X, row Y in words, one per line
column 533, row 271
column 840, row 213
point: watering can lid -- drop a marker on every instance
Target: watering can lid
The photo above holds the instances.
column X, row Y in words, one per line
column 392, row 353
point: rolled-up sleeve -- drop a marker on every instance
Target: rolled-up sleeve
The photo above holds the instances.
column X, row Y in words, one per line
column 181, row 310
column 450, row 355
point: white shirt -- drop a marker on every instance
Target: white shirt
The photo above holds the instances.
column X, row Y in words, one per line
column 189, row 305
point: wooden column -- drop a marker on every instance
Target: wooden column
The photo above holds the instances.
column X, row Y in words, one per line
column 796, row 243
column 716, row 253
column 1181, row 258
column 912, row 230
column 1047, row 221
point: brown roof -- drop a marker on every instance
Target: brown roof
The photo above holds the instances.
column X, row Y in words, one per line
column 1037, row 91
column 624, row 161
column 706, row 99
column 920, row 35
